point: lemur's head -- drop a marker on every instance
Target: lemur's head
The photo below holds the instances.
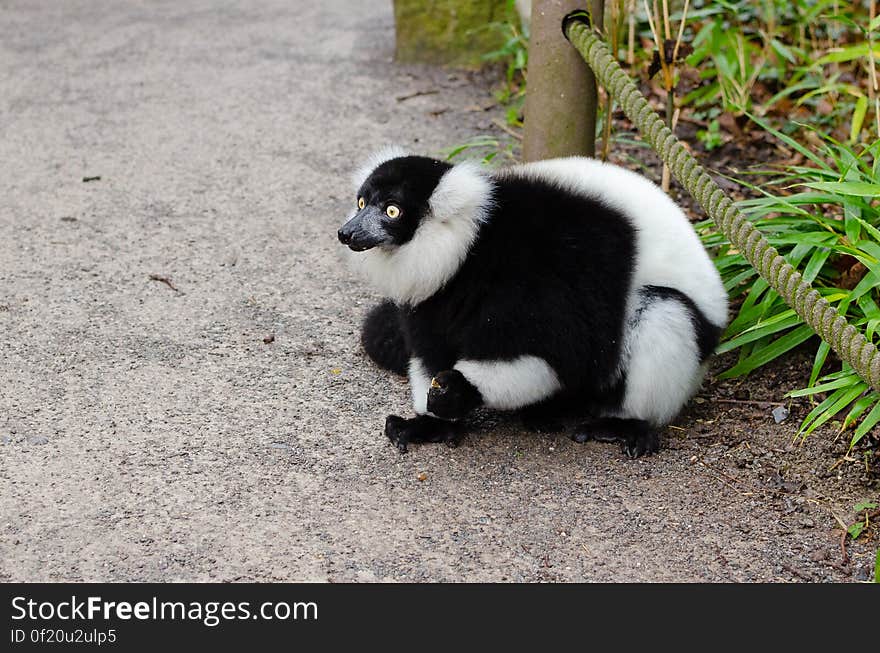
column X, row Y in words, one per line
column 392, row 202
column 415, row 222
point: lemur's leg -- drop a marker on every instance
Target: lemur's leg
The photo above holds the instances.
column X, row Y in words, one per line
column 664, row 367
column 635, row 436
column 452, row 396
column 665, row 346
column 382, row 338
column 499, row 384
column 426, row 427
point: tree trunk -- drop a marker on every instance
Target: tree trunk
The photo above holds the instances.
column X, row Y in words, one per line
column 560, row 111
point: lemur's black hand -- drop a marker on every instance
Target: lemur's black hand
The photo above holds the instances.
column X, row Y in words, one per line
column 452, row 396
column 423, row 428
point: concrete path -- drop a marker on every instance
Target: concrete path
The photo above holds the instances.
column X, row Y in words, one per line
column 147, row 429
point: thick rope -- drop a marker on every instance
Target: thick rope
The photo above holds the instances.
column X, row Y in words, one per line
column 814, row 310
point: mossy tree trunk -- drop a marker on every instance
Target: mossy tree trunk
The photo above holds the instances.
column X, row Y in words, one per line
column 560, row 111
column 448, row 32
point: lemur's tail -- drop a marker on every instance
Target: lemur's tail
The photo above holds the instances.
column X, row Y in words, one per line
column 382, row 338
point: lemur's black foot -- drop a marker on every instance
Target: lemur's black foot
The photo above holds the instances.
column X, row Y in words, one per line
column 636, row 437
column 382, row 338
column 451, row 396
column 421, row 429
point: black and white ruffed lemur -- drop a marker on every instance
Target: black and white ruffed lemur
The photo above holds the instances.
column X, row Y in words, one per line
column 566, row 281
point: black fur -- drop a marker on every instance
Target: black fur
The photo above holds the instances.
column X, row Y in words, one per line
column 549, row 278
column 406, row 182
column 707, row 334
column 545, row 416
column 636, row 437
column 452, row 396
column 421, row 429
column 382, row 338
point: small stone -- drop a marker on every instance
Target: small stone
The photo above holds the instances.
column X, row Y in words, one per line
column 6, row 439
column 230, row 260
column 268, row 340
column 807, row 523
column 422, row 476
column 37, row 439
column 780, row 413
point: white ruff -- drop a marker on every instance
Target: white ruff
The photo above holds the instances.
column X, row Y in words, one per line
column 411, row 273
column 507, row 385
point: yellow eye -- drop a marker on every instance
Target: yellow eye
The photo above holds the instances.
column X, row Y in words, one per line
column 392, row 211
column 361, row 203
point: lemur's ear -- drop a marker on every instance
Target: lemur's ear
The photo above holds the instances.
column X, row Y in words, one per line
column 376, row 159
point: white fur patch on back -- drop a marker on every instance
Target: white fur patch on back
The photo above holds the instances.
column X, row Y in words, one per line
column 411, row 273
column 668, row 250
column 507, row 385
column 376, row 159
column 663, row 365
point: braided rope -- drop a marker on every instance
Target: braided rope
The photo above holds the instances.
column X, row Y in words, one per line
column 814, row 310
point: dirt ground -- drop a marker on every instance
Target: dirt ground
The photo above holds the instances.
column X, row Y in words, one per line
column 182, row 394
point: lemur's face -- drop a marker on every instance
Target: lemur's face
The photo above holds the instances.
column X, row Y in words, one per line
column 392, row 203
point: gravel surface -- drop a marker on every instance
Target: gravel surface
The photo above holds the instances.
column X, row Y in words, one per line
column 182, row 394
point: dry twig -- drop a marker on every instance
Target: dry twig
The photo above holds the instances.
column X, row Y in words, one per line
column 165, row 280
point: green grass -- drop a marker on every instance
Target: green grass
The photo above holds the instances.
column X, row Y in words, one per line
column 513, row 54
column 775, row 58
column 825, row 219
column 488, row 150
column 877, row 567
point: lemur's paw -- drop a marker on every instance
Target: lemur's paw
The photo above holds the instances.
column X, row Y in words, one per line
column 638, row 444
column 451, row 396
column 636, row 437
column 581, row 436
column 395, row 430
column 420, row 429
